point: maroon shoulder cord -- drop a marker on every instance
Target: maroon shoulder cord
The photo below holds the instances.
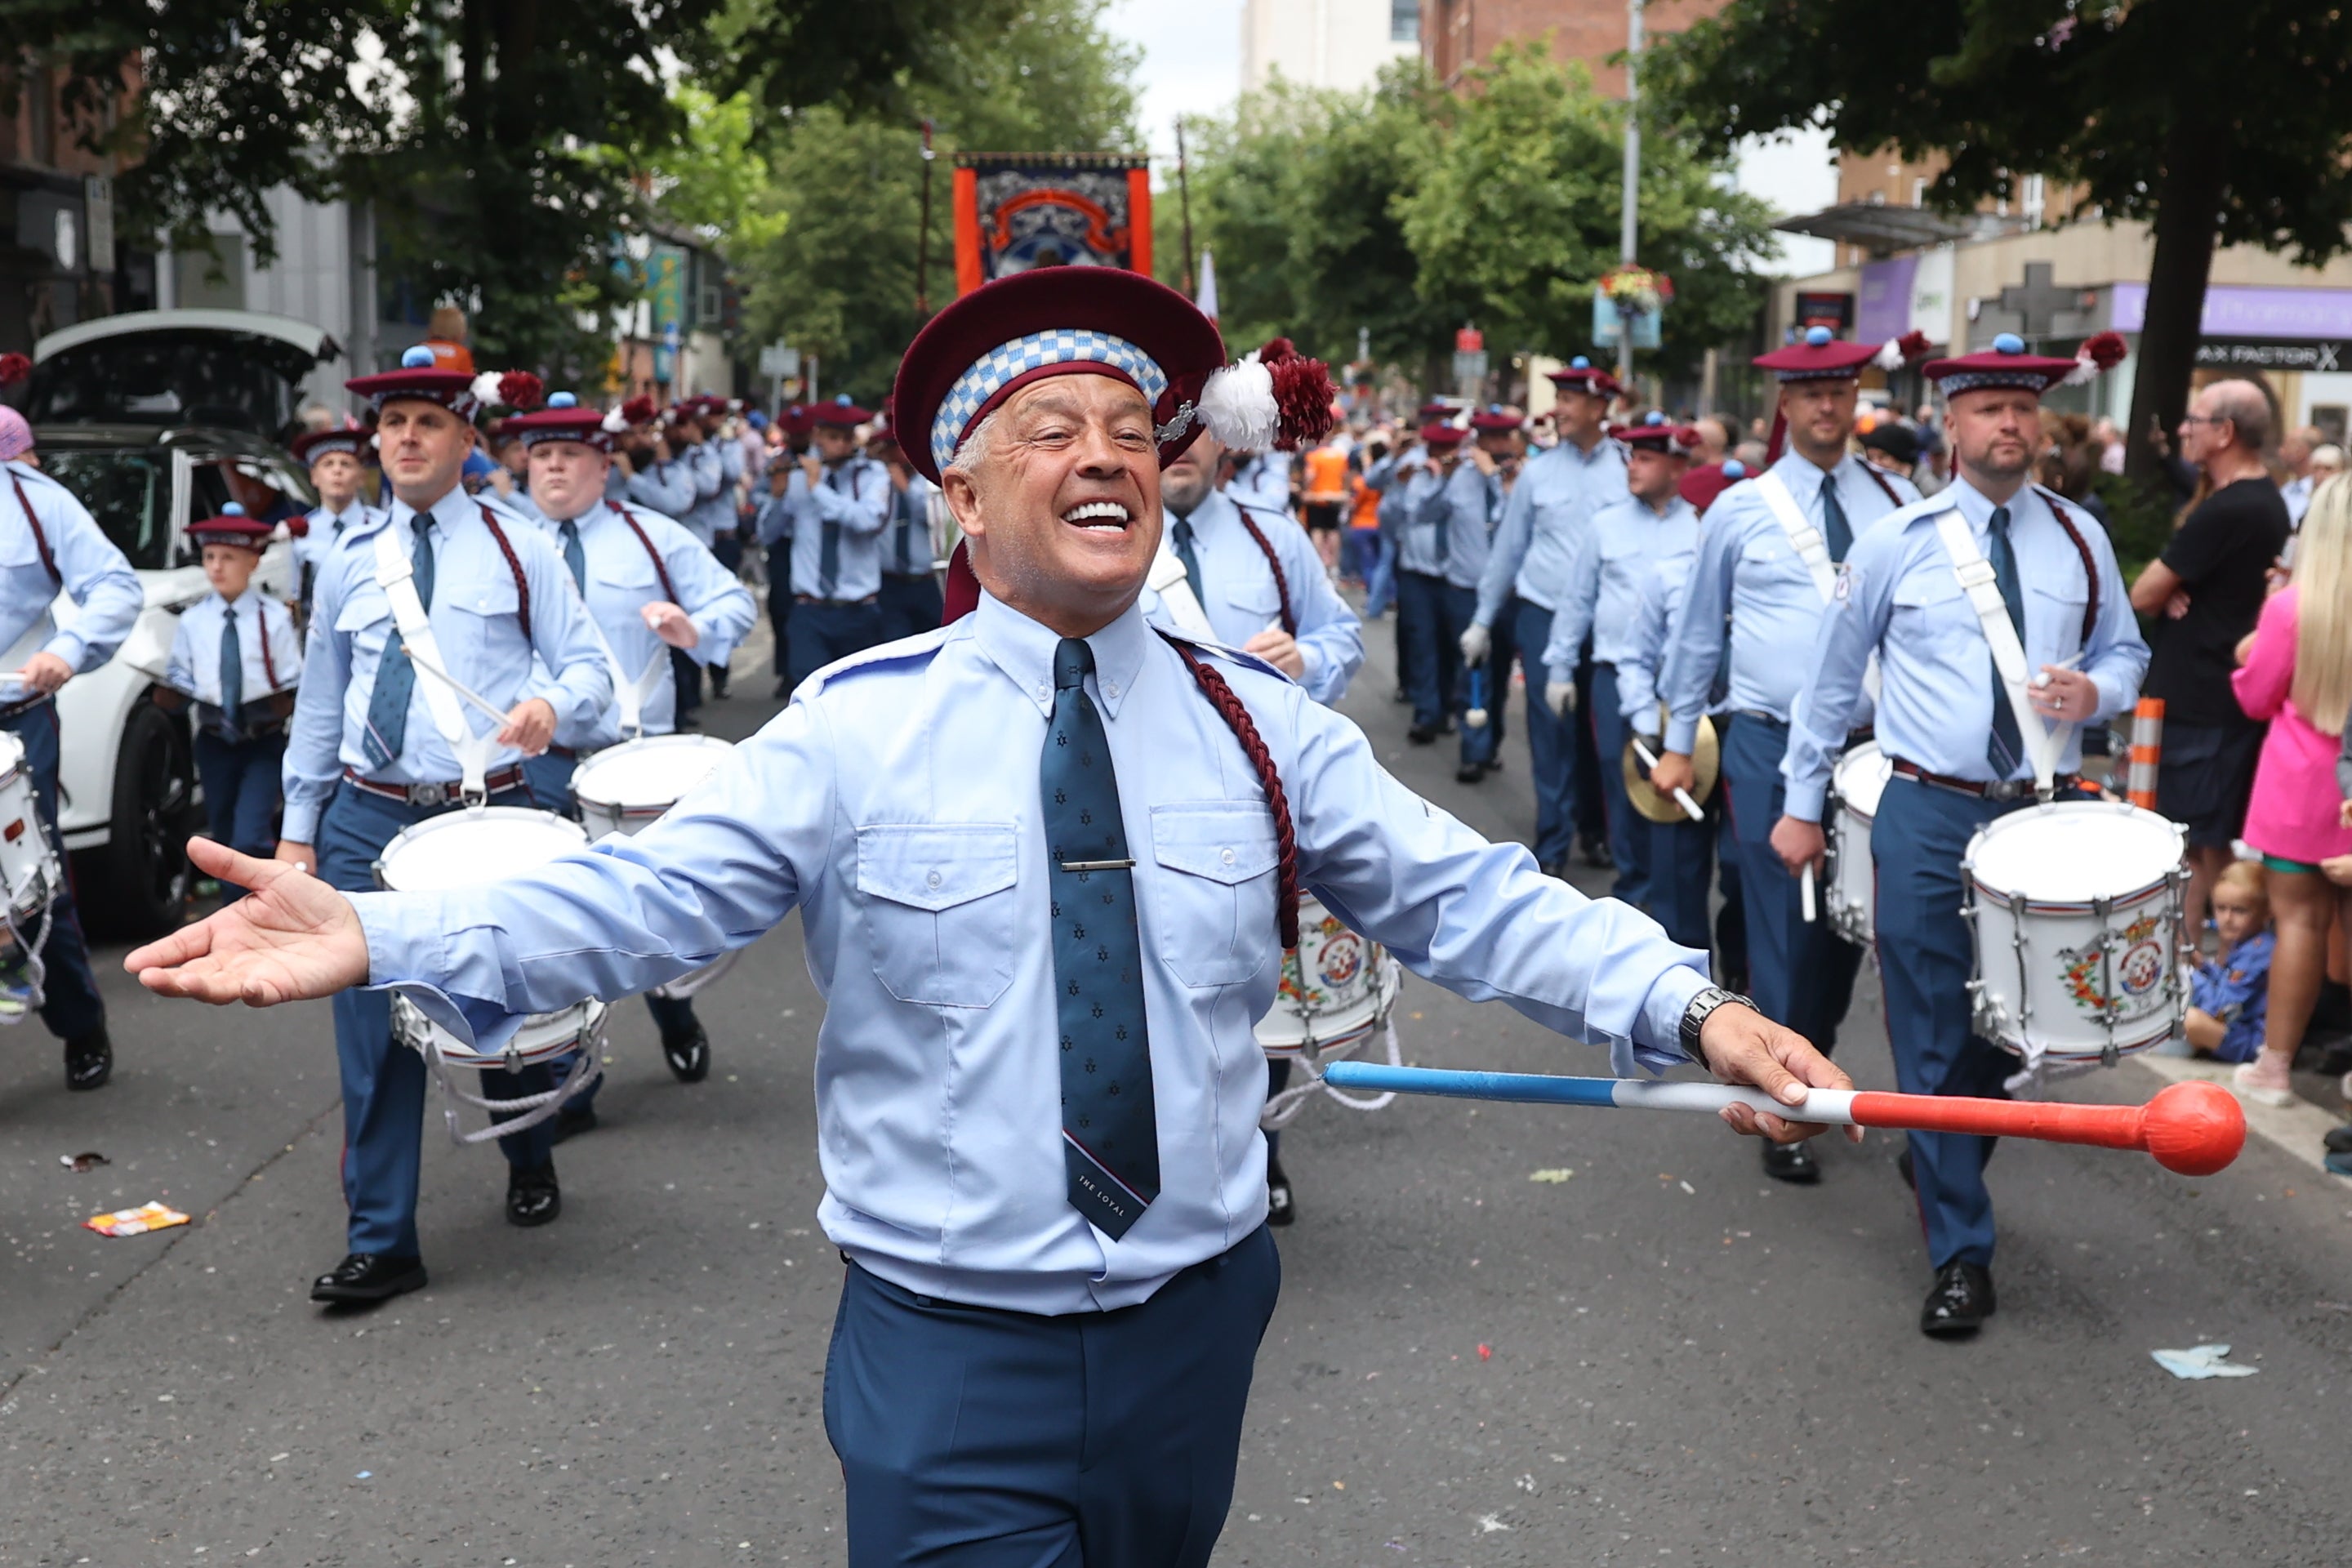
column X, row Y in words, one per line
column 668, row 591
column 1228, row 705
column 2083, row 549
column 1281, row 585
column 514, row 565
column 40, row 536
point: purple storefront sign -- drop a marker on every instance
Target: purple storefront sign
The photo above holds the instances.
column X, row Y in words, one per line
column 1882, row 310
column 2244, row 313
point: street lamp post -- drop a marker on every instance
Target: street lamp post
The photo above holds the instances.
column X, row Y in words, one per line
column 1629, row 201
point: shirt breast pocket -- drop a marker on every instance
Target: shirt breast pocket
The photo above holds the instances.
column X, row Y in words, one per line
column 1257, row 599
column 939, row 909
column 1930, row 611
column 367, row 619
column 1213, row 890
column 485, row 613
column 2064, row 603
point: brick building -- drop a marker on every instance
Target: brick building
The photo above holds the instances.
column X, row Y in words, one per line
column 59, row 260
column 1457, row 35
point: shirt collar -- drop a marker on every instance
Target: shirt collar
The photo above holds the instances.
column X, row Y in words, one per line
column 251, row 595
column 449, row 511
column 1973, row 505
column 1024, row 650
column 1212, row 512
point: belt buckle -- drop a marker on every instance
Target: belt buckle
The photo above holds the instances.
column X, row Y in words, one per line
column 428, row 795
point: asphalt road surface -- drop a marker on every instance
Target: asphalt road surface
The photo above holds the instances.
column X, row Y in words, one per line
column 1656, row 1358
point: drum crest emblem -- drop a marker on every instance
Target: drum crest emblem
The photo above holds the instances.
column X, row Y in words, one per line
column 2138, row 966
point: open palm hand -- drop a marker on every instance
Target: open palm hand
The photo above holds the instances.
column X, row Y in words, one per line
column 291, row 938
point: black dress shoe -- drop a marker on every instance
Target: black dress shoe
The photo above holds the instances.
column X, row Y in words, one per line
column 1469, row 772
column 2339, row 1138
column 1791, row 1162
column 1278, row 1207
column 719, row 683
column 1421, row 734
column 89, row 1060
column 571, row 1124
column 532, row 1196
column 688, row 1054
column 1596, row 854
column 1960, row 1301
column 364, row 1277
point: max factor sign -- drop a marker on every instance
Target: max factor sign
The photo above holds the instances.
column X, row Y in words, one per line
column 2270, row 356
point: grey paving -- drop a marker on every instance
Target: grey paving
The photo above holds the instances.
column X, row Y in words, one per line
column 1681, row 1361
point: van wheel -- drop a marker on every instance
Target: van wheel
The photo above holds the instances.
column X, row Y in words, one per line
column 144, row 865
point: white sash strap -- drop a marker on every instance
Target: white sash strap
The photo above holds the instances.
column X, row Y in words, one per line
column 1982, row 586
column 1803, row 537
column 1175, row 590
column 395, row 577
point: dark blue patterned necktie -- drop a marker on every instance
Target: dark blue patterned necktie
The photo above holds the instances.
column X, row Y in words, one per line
column 574, row 556
column 1111, row 1135
column 1834, row 527
column 828, row 557
column 232, row 672
column 1190, row 557
column 395, row 677
column 2007, row 748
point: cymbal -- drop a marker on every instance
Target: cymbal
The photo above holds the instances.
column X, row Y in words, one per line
column 1706, row 763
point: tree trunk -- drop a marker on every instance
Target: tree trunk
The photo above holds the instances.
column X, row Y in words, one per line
column 2188, row 204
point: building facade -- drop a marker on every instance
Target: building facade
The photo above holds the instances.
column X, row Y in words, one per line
column 60, row 262
column 1337, row 44
column 1457, row 35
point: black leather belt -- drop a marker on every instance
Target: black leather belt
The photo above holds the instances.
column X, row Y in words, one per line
column 434, row 793
column 27, row 705
column 2007, row 789
column 813, row 599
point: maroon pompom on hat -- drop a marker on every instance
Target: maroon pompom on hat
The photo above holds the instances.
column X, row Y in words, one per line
column 564, row 420
column 312, row 445
column 14, row 368
column 232, row 527
column 1655, row 435
column 1580, row 374
column 2007, row 364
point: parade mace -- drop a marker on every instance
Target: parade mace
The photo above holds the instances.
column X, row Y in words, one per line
column 2193, row 1128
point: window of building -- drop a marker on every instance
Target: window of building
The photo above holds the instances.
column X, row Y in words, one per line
column 1404, row 21
column 2031, row 199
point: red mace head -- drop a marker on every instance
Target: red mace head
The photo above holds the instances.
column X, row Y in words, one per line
column 2195, row 1127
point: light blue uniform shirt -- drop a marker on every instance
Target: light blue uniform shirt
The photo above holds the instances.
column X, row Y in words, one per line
column 621, row 582
column 856, row 495
column 669, row 488
column 1468, row 501
column 906, row 534
column 1663, row 591
column 1240, row 599
column 1605, row 576
column 1262, row 482
column 475, row 620
column 1899, row 596
column 713, row 513
column 895, row 804
column 262, row 624
column 1560, row 490
column 327, row 530
column 91, row 572
column 1747, row 570
column 771, row 518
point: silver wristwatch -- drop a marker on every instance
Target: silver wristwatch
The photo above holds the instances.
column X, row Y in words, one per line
column 1695, row 1016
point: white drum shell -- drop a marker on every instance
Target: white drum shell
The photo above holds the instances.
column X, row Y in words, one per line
column 542, row 1037
column 1337, row 989
column 29, row 869
column 2082, row 976
column 1851, row 904
column 622, row 788
column 481, row 844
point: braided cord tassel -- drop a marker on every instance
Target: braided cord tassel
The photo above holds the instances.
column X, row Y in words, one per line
column 1229, row 707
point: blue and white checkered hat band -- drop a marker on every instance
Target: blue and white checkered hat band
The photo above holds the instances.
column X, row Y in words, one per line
column 1974, row 380
column 988, row 376
column 1842, row 373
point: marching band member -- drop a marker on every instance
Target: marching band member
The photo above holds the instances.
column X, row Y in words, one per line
column 1258, row 579
column 1261, row 479
column 651, row 587
column 656, row 476
column 1550, row 507
column 237, row 654
column 371, row 753
column 838, row 501
column 1607, row 565
column 338, row 463
column 1047, row 821
column 49, row 541
column 771, row 526
column 1498, row 449
column 1766, row 561
column 909, row 599
column 1449, row 507
column 1967, row 744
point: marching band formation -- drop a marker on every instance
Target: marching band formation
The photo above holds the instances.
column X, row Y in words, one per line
column 1862, row 706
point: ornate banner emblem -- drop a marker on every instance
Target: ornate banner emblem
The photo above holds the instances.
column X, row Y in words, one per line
column 1014, row 211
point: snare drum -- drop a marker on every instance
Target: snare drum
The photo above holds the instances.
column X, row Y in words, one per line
column 1855, row 784
column 29, row 872
column 1336, row 990
column 487, row 844
column 622, row 788
column 2076, row 907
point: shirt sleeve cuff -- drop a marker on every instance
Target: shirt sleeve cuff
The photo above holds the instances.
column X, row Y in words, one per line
column 69, row 647
column 1802, row 800
column 1657, row 1041
column 1682, row 735
column 301, row 823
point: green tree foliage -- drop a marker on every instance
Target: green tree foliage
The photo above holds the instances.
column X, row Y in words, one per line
column 834, row 271
column 1411, row 212
column 2228, row 124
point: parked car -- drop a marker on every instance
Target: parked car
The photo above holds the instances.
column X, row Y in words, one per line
column 156, row 419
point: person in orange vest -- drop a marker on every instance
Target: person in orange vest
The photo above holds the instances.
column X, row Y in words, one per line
column 1325, row 496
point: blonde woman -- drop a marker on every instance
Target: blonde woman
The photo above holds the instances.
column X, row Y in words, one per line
column 2296, row 672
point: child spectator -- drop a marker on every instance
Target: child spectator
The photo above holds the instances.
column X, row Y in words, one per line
column 2228, row 994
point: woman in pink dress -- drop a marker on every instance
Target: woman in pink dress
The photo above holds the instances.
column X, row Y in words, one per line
column 2296, row 672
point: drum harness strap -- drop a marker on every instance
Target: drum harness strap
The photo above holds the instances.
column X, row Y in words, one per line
column 2043, row 742
column 630, row 691
column 1811, row 548
column 394, row 577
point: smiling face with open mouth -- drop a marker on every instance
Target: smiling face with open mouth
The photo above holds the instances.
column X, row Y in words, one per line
column 1062, row 501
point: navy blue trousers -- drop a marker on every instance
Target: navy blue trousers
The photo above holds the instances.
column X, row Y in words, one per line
column 909, row 606
column 1551, row 737
column 72, row 1008
column 549, row 777
column 1431, row 658
column 822, row 633
column 780, row 604
column 241, row 780
column 1481, row 743
column 970, row 1437
column 384, row 1081
column 1629, row 832
column 1925, row 959
column 1683, row 858
column 1800, row 975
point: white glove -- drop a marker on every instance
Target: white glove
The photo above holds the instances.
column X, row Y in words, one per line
column 1561, row 697
column 1475, row 642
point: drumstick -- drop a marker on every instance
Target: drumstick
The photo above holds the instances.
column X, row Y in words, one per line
column 454, row 684
column 1682, row 796
column 2194, row 1127
column 1805, row 892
